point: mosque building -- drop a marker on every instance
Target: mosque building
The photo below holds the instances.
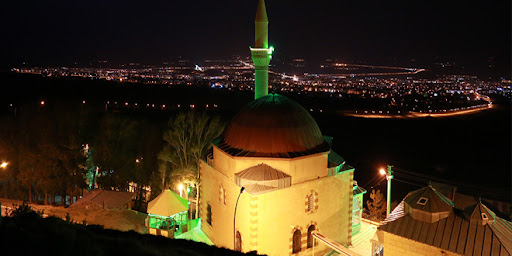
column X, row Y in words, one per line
column 272, row 180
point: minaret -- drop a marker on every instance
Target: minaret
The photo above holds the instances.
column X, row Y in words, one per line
column 261, row 53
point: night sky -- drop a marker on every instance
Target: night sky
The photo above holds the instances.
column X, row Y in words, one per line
column 376, row 32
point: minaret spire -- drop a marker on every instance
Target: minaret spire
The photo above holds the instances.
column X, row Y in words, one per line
column 261, row 23
column 261, row 53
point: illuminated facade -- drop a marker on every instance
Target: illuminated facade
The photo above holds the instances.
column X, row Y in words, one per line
column 294, row 184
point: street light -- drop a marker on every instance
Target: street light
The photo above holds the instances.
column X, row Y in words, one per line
column 389, row 176
column 180, row 187
column 3, row 165
column 242, row 189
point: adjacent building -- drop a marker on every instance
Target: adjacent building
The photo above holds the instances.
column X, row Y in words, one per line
column 426, row 223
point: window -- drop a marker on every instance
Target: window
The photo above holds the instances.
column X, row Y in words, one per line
column 296, row 241
column 209, row 214
column 238, row 242
column 311, row 240
column 356, row 204
column 422, row 200
column 484, row 216
column 311, row 202
column 356, row 211
column 377, row 249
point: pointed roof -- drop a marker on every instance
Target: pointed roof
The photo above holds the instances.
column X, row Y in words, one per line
column 167, row 203
column 427, row 204
column 261, row 13
column 262, row 178
column 256, row 189
column 261, row 172
column 479, row 213
column 465, row 232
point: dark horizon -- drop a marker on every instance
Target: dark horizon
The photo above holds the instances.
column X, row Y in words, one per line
column 472, row 36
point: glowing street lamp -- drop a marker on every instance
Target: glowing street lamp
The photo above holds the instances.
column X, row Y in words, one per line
column 180, row 187
column 242, row 189
column 3, row 165
column 389, row 176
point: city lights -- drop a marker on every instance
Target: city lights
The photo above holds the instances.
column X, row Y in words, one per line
column 146, row 142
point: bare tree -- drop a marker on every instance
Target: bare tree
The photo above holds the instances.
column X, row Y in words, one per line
column 188, row 137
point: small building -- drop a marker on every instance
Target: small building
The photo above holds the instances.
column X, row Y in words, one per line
column 426, row 223
column 167, row 214
column 106, row 199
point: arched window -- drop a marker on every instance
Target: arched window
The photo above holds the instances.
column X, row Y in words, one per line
column 238, row 242
column 209, row 214
column 296, row 241
column 311, row 202
column 310, row 236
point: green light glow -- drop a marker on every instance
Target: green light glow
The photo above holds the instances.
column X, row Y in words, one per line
column 271, row 50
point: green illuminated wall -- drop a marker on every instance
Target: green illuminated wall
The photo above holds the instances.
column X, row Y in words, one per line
column 261, row 53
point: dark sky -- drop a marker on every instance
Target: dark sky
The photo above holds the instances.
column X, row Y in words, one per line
column 149, row 31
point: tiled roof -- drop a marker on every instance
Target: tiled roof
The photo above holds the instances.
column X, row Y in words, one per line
column 107, row 198
column 357, row 189
column 273, row 126
column 334, row 159
column 262, row 178
column 427, row 204
column 456, row 233
column 262, row 172
column 256, row 189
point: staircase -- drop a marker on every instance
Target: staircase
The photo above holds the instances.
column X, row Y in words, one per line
column 363, row 236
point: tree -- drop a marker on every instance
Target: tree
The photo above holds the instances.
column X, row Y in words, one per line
column 125, row 150
column 115, row 149
column 376, row 205
column 45, row 145
column 188, row 137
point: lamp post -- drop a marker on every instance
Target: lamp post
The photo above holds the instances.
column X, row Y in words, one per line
column 242, row 189
column 180, row 188
column 3, row 165
column 389, row 176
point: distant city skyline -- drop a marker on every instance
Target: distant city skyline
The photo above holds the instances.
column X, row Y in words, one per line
column 475, row 36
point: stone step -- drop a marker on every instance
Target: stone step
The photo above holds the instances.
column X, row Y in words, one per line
column 364, row 236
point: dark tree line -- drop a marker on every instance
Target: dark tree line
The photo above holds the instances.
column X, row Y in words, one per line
column 43, row 145
column 63, row 148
